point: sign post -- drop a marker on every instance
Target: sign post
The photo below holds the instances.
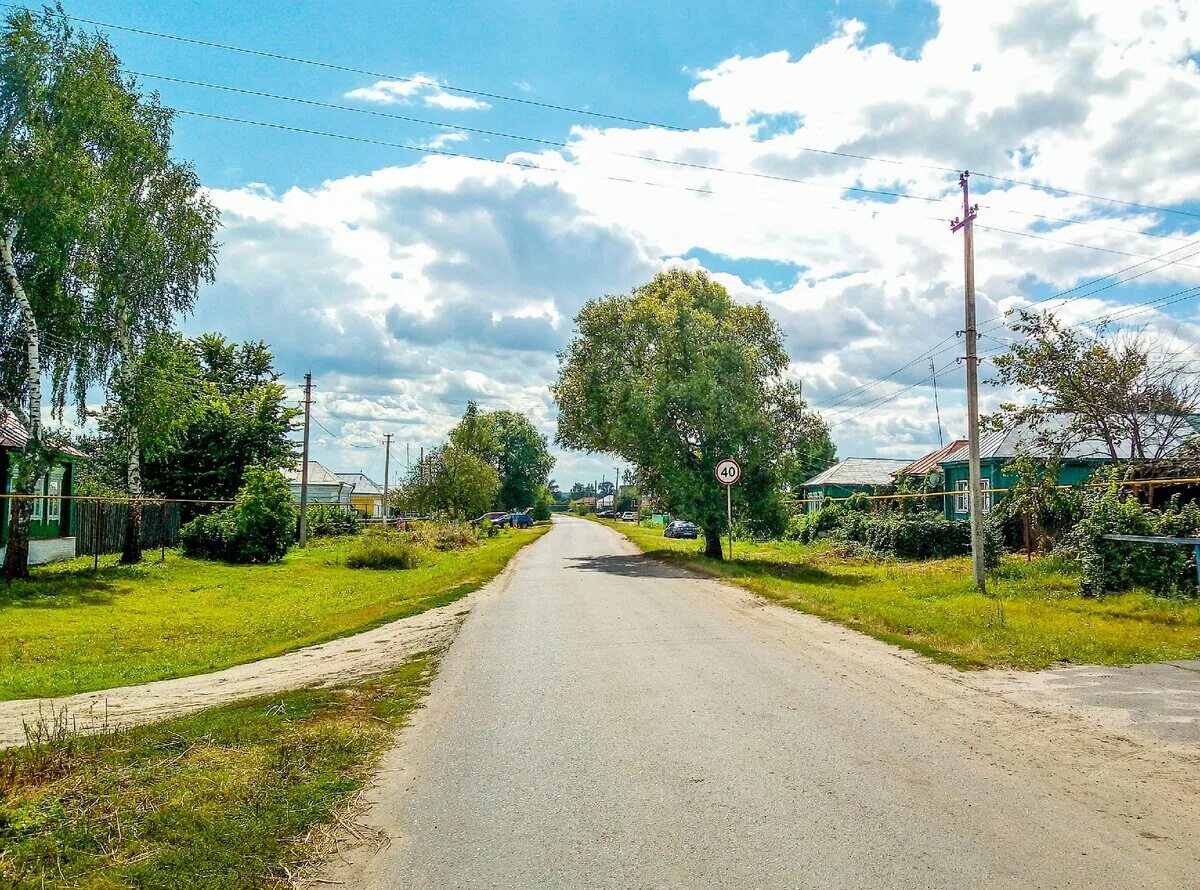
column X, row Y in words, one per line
column 728, row 471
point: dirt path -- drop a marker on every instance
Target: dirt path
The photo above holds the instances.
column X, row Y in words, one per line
column 609, row 720
column 337, row 661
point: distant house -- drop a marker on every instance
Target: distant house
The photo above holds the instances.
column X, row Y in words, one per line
column 324, row 487
column 998, row 449
column 52, row 530
column 854, row 474
column 366, row 496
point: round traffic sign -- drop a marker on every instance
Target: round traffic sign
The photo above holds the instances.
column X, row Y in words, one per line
column 728, row 471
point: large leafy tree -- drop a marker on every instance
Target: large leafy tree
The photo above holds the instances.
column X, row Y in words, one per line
column 159, row 246
column 674, row 376
column 450, row 480
column 1127, row 392
column 66, row 118
column 242, row 418
column 509, row 442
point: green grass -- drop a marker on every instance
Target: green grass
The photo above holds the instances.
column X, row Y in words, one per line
column 219, row 799
column 932, row 607
column 69, row 630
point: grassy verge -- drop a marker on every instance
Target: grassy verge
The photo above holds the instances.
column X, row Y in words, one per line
column 71, row 630
column 225, row 798
column 931, row 607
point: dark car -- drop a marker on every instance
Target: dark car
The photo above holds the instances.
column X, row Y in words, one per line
column 681, row 528
column 520, row 520
column 496, row 517
column 607, row 514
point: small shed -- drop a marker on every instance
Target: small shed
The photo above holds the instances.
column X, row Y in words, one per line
column 847, row 477
column 52, row 529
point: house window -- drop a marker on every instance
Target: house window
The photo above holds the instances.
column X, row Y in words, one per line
column 962, row 500
column 54, row 496
column 39, row 504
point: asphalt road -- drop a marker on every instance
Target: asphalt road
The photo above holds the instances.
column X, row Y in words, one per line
column 604, row 721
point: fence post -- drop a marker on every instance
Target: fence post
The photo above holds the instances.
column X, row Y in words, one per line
column 99, row 534
column 162, row 532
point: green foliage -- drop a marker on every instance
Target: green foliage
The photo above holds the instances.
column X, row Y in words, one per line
column 1052, row 511
column 1116, row 566
column 509, row 442
column 542, row 504
column 1125, row 392
column 580, row 509
column 258, row 528
column 376, row 552
column 924, row 535
column 452, row 481
column 328, row 520
column 242, row 418
column 674, row 376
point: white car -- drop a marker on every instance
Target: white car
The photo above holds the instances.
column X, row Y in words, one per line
column 628, row 516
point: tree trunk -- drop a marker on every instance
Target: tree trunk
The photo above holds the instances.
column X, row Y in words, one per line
column 16, row 558
column 131, row 551
column 712, row 541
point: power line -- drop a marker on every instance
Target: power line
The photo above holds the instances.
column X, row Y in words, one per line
column 1090, row 197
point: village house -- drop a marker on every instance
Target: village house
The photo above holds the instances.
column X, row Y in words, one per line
column 366, row 496
column 52, row 529
column 849, row 476
column 324, row 486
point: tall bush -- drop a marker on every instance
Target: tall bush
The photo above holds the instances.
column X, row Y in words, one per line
column 258, row 528
column 1116, row 566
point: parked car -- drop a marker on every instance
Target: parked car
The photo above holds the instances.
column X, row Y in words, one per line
column 606, row 514
column 495, row 517
column 681, row 528
column 628, row 516
column 520, row 520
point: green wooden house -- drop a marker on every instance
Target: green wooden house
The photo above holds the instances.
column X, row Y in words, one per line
column 998, row 449
column 52, row 530
column 846, row 477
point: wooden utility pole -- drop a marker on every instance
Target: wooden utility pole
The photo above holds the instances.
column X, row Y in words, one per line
column 387, row 463
column 975, row 485
column 304, row 461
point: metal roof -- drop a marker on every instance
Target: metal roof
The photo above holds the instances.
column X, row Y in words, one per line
column 13, row 435
column 318, row 474
column 362, row 483
column 859, row 471
column 1010, row 442
column 930, row 462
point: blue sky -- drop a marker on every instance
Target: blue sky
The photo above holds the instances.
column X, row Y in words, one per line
column 409, row 284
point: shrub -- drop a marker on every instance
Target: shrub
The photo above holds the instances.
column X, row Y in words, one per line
column 327, row 520
column 925, row 534
column 1116, row 566
column 443, row 535
column 383, row 553
column 542, row 503
column 258, row 528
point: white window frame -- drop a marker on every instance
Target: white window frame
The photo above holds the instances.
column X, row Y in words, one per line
column 962, row 496
column 39, row 502
column 54, row 495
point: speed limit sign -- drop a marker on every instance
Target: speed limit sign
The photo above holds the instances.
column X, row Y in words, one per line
column 728, row 471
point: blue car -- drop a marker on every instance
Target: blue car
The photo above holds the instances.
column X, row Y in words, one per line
column 520, row 520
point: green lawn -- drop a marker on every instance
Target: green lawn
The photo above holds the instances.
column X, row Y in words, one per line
column 222, row 799
column 932, row 607
column 69, row 630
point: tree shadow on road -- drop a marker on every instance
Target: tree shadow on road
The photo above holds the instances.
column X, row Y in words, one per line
column 630, row 566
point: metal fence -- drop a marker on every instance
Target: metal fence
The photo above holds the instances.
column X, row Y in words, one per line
column 100, row 526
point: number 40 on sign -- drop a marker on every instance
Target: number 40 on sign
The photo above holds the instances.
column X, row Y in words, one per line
column 728, row 471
